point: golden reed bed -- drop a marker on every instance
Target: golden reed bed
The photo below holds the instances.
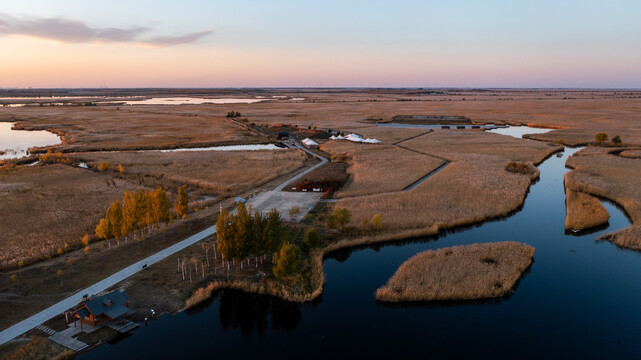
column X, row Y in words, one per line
column 477, row 271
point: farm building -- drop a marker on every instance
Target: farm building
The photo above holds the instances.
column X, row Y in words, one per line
column 99, row 309
column 310, row 143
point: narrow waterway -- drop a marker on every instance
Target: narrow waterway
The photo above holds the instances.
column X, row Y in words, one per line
column 580, row 299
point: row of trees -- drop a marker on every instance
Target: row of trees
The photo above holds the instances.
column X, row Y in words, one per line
column 241, row 235
column 139, row 211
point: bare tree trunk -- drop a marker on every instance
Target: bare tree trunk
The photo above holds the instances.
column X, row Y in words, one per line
column 178, row 264
column 190, row 274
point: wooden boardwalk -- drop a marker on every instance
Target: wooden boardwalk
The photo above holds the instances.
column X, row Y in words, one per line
column 68, row 341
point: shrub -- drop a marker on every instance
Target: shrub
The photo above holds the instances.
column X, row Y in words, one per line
column 617, row 140
column 338, row 219
column 601, row 137
column 377, row 221
column 104, row 166
column 311, row 237
column 286, row 261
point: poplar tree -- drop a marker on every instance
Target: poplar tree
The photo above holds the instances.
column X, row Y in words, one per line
column 182, row 203
column 114, row 216
column 224, row 233
column 276, row 232
column 103, row 229
column 129, row 214
column 160, row 207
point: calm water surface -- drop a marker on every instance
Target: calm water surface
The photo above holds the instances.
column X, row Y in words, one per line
column 518, row 131
column 251, row 147
column 15, row 143
column 580, row 299
column 191, row 100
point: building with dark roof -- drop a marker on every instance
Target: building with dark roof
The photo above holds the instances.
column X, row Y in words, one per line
column 99, row 309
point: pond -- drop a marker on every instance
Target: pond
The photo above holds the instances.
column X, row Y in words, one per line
column 16, row 143
column 579, row 299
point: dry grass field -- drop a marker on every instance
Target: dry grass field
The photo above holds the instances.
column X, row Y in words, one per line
column 629, row 238
column 597, row 171
column 578, row 114
column 477, row 271
column 387, row 135
column 600, row 173
column 106, row 128
column 40, row 348
column 472, row 188
column 378, row 169
column 632, row 154
column 44, row 207
column 583, row 211
column 453, row 145
column 221, row 173
column 463, row 192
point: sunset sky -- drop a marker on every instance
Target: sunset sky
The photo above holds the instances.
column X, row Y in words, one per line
column 288, row 43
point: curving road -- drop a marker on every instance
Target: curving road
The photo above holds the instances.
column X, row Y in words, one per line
column 64, row 305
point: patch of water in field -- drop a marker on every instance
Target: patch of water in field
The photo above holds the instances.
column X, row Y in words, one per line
column 252, row 147
column 519, row 131
column 192, row 100
column 579, row 299
column 16, row 143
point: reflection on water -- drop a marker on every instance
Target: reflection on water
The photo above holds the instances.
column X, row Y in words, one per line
column 191, row 100
column 519, row 131
column 16, row 143
column 578, row 300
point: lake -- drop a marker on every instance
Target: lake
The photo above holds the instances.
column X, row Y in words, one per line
column 579, row 299
column 16, row 143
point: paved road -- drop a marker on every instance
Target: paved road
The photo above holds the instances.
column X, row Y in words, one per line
column 64, row 305
column 59, row 308
column 322, row 161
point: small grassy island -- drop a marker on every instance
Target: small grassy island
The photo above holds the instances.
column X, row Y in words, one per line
column 477, row 271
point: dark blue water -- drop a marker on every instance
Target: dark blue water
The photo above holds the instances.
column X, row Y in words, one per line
column 580, row 299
